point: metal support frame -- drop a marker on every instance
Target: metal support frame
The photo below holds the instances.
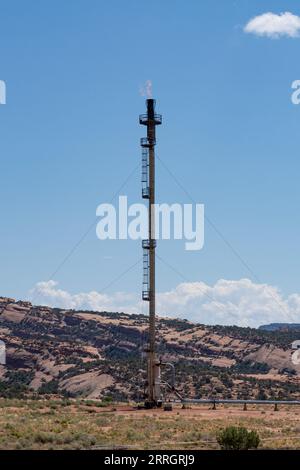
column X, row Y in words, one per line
column 150, row 120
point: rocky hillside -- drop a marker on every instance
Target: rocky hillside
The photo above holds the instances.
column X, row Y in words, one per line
column 100, row 354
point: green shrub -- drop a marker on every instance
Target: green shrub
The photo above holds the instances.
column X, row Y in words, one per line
column 49, row 387
column 237, row 438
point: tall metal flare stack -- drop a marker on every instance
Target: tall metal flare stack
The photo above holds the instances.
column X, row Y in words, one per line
column 150, row 120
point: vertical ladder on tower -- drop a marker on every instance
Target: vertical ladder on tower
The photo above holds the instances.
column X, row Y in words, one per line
column 145, row 173
column 147, row 245
column 146, row 290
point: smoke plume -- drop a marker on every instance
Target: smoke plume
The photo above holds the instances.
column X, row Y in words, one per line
column 146, row 89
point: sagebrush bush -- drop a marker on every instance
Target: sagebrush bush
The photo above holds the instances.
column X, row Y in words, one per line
column 237, row 438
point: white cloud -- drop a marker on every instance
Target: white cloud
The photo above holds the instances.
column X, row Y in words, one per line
column 274, row 26
column 240, row 302
column 47, row 293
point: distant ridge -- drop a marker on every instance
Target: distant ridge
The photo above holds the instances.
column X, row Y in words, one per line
column 280, row 326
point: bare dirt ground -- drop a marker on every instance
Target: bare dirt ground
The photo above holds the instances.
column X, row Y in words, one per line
column 87, row 424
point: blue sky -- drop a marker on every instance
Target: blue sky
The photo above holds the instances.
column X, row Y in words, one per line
column 69, row 135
